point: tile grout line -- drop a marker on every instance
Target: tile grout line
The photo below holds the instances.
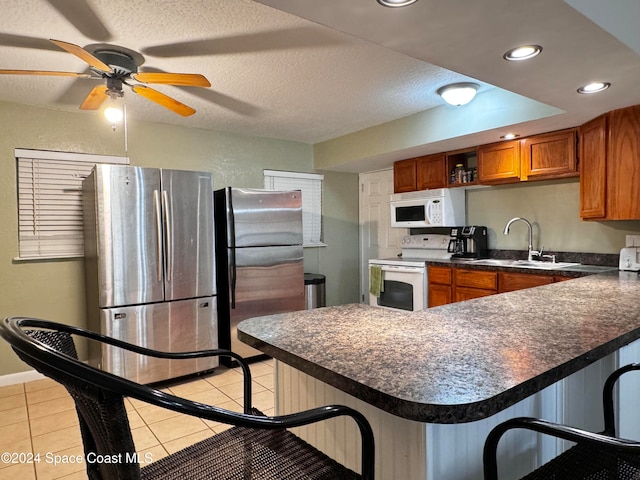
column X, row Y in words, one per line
column 210, row 430
column 26, row 403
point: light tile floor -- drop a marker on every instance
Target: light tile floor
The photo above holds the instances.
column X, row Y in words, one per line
column 39, row 417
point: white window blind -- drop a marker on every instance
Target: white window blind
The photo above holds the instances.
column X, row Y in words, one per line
column 311, row 186
column 50, row 201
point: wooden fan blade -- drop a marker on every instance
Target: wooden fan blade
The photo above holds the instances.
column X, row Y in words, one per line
column 82, row 54
column 164, row 100
column 180, row 79
column 95, row 98
column 44, row 72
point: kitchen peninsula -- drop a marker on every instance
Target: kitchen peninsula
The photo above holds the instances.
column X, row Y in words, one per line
column 434, row 382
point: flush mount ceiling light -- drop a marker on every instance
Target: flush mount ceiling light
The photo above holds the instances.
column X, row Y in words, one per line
column 510, row 136
column 594, row 87
column 458, row 93
column 396, row 3
column 524, row 52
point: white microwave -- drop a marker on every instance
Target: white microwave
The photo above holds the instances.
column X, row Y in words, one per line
column 443, row 207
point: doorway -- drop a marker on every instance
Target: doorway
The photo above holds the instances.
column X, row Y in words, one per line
column 377, row 238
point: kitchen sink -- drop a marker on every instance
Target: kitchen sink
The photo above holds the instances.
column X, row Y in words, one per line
column 543, row 265
column 523, row 263
column 492, row 261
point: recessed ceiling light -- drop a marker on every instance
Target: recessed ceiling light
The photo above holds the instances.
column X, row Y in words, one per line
column 510, row 136
column 524, row 52
column 594, row 87
column 458, row 93
column 396, row 3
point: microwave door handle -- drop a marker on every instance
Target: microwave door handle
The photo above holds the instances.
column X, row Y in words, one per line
column 428, row 212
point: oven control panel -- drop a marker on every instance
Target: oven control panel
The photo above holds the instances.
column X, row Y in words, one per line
column 426, row 241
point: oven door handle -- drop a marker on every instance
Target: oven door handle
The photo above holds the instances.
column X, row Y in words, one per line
column 403, row 269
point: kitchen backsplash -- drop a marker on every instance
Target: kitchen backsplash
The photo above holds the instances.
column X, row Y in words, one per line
column 604, row 259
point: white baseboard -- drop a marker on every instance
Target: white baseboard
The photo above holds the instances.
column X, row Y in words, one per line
column 21, row 377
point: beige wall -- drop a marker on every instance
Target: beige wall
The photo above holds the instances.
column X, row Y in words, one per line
column 55, row 289
column 553, row 208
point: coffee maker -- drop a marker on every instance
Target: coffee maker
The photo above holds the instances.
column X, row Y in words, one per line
column 468, row 242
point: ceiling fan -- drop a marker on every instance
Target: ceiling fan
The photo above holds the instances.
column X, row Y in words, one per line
column 119, row 66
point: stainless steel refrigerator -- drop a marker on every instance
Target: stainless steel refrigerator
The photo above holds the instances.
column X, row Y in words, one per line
column 150, row 267
column 260, row 260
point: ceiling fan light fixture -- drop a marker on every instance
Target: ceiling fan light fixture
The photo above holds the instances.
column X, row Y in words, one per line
column 594, row 87
column 113, row 114
column 458, row 94
column 524, row 52
column 114, row 108
column 396, row 3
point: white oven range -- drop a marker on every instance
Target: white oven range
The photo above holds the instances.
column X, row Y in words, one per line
column 404, row 279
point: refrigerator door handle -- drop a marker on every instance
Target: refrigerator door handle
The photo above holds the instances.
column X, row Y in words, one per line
column 168, row 235
column 231, row 222
column 232, row 277
column 156, row 206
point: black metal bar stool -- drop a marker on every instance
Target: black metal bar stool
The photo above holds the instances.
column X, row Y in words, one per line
column 257, row 447
column 595, row 456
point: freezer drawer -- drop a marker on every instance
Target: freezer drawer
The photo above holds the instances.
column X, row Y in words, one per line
column 180, row 326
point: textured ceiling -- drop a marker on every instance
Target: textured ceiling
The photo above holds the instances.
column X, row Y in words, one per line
column 314, row 70
column 272, row 74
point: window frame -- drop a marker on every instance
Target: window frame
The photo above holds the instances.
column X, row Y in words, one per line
column 312, row 184
column 49, row 202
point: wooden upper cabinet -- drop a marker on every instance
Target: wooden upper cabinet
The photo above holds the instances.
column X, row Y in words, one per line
column 610, row 166
column 499, row 162
column 623, row 164
column 431, row 171
column 404, row 176
column 593, row 168
column 551, row 155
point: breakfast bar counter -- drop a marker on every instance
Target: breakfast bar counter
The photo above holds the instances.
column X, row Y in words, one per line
column 475, row 362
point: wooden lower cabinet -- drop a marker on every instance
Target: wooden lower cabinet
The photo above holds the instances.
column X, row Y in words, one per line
column 508, row 282
column 481, row 279
column 440, row 288
column 466, row 293
column 439, row 294
column 559, row 278
column 450, row 284
column 474, row 284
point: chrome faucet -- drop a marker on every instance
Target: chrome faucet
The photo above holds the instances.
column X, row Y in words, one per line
column 532, row 252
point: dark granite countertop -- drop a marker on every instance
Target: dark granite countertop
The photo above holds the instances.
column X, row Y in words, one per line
column 574, row 271
column 459, row 362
